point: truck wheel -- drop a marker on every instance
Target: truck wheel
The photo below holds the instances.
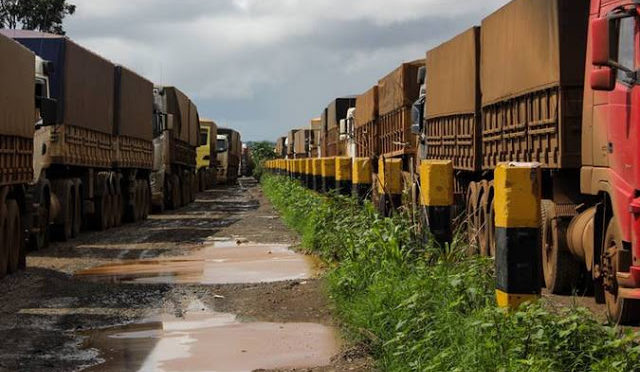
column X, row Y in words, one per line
column 5, row 239
column 620, row 310
column 77, row 210
column 14, row 228
column 146, row 200
column 562, row 273
column 175, row 195
column 117, row 209
column 482, row 216
column 102, row 212
column 40, row 239
column 63, row 226
column 472, row 222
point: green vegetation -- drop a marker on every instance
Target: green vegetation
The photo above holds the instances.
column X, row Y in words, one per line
column 261, row 152
column 423, row 308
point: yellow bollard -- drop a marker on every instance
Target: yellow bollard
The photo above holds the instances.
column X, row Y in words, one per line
column 436, row 196
column 343, row 175
column 328, row 173
column 389, row 185
column 517, row 220
column 361, row 178
column 317, row 174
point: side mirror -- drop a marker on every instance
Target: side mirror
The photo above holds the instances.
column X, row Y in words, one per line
column 601, row 42
column 603, row 79
column 170, row 122
column 48, row 111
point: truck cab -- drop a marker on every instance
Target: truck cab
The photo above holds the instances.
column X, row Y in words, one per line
column 610, row 170
column 222, row 149
column 347, row 132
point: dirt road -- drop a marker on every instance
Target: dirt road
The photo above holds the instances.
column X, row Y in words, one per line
column 152, row 296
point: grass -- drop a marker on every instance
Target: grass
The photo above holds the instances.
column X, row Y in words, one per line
column 419, row 307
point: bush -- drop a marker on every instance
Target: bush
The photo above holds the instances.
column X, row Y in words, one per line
column 422, row 308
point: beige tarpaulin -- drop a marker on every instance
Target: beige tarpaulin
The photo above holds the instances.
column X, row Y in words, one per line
column 17, row 99
column 524, row 42
column 452, row 76
column 135, row 105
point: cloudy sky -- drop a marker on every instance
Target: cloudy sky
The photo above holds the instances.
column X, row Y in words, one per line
column 266, row 66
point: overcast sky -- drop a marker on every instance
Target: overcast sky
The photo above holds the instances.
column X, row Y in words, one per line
column 266, row 66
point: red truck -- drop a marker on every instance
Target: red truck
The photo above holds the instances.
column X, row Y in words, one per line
column 553, row 82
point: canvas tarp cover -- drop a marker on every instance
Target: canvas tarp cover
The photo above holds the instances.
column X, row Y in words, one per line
column 178, row 105
column 134, row 105
column 530, row 45
column 316, row 124
column 17, row 99
column 367, row 106
column 400, row 88
column 291, row 138
column 452, row 76
column 83, row 82
column 194, row 125
column 302, row 138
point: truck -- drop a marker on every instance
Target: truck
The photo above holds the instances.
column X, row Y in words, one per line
column 94, row 151
column 229, row 155
column 552, row 82
column 291, row 143
column 332, row 145
column 316, row 127
column 18, row 113
column 347, row 133
column 176, row 136
column 281, row 147
column 207, row 155
column 303, row 141
column 365, row 131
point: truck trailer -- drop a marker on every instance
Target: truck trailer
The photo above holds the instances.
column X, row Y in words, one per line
column 176, row 136
column 551, row 82
column 17, row 117
column 94, row 155
column 229, row 155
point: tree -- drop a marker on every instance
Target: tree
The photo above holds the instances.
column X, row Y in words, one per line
column 40, row 15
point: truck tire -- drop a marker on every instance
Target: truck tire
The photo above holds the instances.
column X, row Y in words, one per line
column 16, row 241
column 146, row 200
column 562, row 273
column 472, row 222
column 102, row 214
column 63, row 225
column 5, row 239
column 77, row 210
column 482, row 218
column 39, row 196
column 620, row 310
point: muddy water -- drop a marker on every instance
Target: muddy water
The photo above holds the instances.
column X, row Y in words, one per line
column 209, row 341
column 218, row 263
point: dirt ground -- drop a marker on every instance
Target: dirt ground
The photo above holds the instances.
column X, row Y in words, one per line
column 47, row 315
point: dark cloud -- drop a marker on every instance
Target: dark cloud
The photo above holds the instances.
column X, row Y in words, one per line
column 265, row 66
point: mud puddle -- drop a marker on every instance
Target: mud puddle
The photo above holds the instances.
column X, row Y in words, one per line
column 218, row 263
column 202, row 340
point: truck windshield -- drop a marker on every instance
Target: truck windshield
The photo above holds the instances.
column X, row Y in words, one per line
column 222, row 145
column 204, row 138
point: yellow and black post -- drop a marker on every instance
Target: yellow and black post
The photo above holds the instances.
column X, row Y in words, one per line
column 517, row 220
column 343, row 175
column 317, row 174
column 436, row 197
column 389, row 185
column 328, row 174
column 308, row 180
column 361, row 179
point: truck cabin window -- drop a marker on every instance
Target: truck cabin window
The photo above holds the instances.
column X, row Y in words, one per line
column 221, row 146
column 626, row 47
column 204, row 138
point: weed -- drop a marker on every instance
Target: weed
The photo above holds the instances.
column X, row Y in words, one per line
column 420, row 307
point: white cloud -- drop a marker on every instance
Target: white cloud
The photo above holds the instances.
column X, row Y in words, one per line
column 268, row 65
